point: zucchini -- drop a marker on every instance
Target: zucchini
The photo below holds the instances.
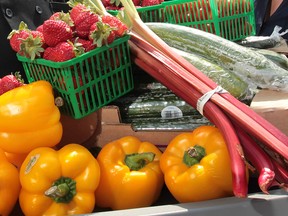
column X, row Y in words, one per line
column 223, row 77
column 151, row 104
column 243, row 61
column 278, row 58
column 186, row 123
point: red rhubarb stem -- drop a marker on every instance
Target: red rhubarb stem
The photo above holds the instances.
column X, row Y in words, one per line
column 257, row 156
column 211, row 111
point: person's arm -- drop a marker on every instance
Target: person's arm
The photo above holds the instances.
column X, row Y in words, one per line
column 59, row 5
column 33, row 13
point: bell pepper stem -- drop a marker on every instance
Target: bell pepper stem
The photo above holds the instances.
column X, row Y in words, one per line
column 62, row 190
column 137, row 161
column 193, row 155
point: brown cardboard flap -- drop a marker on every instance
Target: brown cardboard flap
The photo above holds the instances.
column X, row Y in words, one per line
column 273, row 106
column 78, row 130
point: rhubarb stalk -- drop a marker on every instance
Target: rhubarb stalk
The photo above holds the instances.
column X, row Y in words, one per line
column 157, row 69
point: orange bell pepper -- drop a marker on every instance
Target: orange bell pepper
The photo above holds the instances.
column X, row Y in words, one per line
column 59, row 182
column 130, row 174
column 9, row 185
column 196, row 166
column 29, row 118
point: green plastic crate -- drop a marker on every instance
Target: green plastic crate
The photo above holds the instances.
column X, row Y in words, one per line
column 88, row 82
column 153, row 13
column 233, row 21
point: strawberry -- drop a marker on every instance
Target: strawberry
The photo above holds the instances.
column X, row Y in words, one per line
column 137, row 2
column 101, row 33
column 16, row 36
column 40, row 28
column 63, row 51
column 83, row 22
column 146, row 3
column 33, row 46
column 10, row 82
column 26, row 42
column 76, row 10
column 120, row 28
column 86, row 44
column 56, row 31
column 64, row 17
column 107, row 3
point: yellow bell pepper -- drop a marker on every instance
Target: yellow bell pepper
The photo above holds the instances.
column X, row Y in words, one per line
column 9, row 185
column 196, row 166
column 59, row 182
column 29, row 118
column 130, row 174
column 16, row 159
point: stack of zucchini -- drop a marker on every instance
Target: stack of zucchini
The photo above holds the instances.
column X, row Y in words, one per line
column 151, row 106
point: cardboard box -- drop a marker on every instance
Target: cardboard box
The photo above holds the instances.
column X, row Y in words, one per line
column 111, row 128
column 273, row 106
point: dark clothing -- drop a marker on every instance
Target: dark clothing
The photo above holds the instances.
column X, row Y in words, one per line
column 280, row 18
column 33, row 13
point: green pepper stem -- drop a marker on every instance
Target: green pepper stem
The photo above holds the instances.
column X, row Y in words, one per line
column 193, row 155
column 137, row 161
column 62, row 190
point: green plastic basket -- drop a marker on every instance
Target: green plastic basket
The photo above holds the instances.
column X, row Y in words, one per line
column 233, row 21
column 88, row 82
column 153, row 13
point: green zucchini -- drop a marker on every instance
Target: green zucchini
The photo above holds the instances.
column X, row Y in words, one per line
column 223, row 77
column 151, row 104
column 186, row 123
column 278, row 58
column 243, row 61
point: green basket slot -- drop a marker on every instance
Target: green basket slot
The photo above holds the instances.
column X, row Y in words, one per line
column 231, row 21
column 87, row 82
column 153, row 13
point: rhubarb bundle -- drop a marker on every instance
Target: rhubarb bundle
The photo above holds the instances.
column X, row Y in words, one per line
column 241, row 127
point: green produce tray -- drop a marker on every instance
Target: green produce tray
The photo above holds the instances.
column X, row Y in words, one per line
column 153, row 13
column 88, row 82
column 233, row 20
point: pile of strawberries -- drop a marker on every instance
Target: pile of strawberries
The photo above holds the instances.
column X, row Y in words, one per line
column 67, row 35
column 116, row 4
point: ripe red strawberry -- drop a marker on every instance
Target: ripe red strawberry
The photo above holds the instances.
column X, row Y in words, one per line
column 101, row 33
column 64, row 17
column 10, row 82
column 56, row 31
column 63, row 51
column 33, row 46
column 83, row 22
column 120, row 28
column 26, row 42
column 149, row 3
column 40, row 28
column 76, row 10
column 137, row 2
column 86, row 44
column 107, row 3
column 16, row 36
